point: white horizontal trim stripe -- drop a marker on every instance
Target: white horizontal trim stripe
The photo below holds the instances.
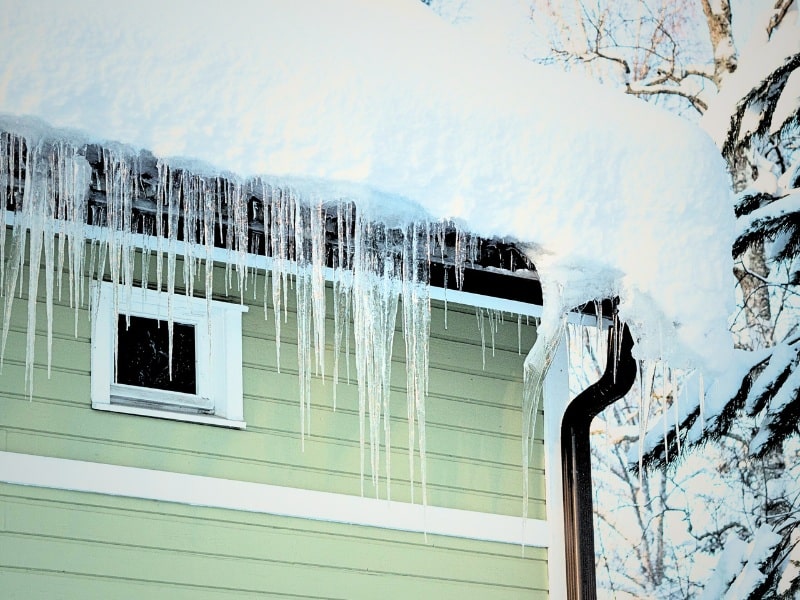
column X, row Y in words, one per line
column 135, row 482
column 222, row 256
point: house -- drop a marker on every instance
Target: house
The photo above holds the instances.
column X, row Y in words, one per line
column 241, row 478
column 239, row 468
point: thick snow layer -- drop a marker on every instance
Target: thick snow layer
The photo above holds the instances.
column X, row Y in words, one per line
column 614, row 196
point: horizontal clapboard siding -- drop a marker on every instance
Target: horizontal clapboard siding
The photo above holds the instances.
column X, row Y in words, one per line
column 473, row 418
column 68, row 544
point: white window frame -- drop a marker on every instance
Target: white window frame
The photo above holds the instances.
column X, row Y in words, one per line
column 218, row 356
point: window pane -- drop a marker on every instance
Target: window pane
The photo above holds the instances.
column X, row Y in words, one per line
column 143, row 355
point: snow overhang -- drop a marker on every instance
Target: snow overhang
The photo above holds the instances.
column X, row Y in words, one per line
column 613, row 197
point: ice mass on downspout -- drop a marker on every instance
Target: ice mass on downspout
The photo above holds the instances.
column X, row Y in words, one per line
column 610, row 197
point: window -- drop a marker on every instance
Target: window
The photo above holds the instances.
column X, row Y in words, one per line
column 144, row 359
column 201, row 381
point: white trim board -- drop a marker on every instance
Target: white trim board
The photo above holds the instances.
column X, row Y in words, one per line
column 556, row 391
column 148, row 484
column 222, row 256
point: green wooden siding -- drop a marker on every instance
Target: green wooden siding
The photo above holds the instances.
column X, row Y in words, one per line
column 58, row 544
column 75, row 545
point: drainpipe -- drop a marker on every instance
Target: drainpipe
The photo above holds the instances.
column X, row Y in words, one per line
column 615, row 382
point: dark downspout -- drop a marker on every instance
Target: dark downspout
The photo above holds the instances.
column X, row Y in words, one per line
column 576, row 461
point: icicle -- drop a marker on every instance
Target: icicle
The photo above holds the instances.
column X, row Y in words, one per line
column 208, row 200
column 460, row 258
column 74, row 187
column 15, row 261
column 47, row 176
column 616, row 339
column 375, row 302
column 647, row 373
column 277, row 275
column 416, row 332
column 49, row 250
column 643, row 415
column 445, row 299
column 170, row 200
column 33, row 208
column 317, row 234
column 537, row 363
column 303, row 293
column 281, row 221
column 6, row 198
column 494, row 323
column 236, row 200
column 159, row 223
column 598, row 307
column 342, row 291
column 58, row 168
column 482, row 331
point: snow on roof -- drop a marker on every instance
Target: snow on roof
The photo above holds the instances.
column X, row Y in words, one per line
column 613, row 196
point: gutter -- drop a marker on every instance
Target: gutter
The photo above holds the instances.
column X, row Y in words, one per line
column 576, row 464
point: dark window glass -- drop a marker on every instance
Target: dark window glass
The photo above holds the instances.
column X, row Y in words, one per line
column 143, row 355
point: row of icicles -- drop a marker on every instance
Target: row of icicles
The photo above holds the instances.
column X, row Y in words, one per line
column 92, row 224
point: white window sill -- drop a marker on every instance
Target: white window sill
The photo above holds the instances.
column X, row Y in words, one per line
column 170, row 415
column 167, row 400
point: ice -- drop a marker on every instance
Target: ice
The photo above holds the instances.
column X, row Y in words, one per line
column 416, row 334
column 318, row 262
column 34, row 199
column 278, row 236
column 482, row 332
column 302, row 288
column 549, row 334
column 374, row 266
column 342, row 291
column 375, row 303
column 495, row 317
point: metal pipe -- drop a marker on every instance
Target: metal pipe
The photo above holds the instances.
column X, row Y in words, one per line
column 615, row 382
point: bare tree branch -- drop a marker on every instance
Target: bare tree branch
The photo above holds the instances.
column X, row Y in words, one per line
column 781, row 8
